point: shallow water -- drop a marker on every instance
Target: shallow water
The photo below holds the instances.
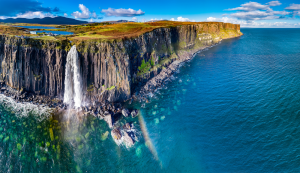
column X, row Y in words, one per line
column 57, row 32
column 233, row 110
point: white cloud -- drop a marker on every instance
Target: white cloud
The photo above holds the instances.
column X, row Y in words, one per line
column 122, row 12
column 211, row 19
column 94, row 15
column 30, row 15
column 259, row 15
column 250, row 6
column 274, row 3
column 226, row 20
column 36, row 14
column 252, row 11
column 293, row 7
column 134, row 19
column 65, row 14
column 84, row 14
column 181, row 19
column 253, row 24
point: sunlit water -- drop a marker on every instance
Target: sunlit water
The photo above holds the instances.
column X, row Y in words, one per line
column 236, row 109
column 57, row 32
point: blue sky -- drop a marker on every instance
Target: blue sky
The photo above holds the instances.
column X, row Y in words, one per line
column 247, row 13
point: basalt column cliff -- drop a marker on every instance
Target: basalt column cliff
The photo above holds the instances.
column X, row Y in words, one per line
column 111, row 70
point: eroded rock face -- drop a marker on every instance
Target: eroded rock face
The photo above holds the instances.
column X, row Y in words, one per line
column 110, row 70
column 116, row 134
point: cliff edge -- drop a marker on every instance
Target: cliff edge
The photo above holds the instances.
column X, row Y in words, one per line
column 111, row 70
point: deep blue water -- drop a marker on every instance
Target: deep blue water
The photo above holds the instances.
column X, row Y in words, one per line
column 236, row 109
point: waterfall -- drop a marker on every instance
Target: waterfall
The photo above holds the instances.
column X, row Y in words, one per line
column 73, row 89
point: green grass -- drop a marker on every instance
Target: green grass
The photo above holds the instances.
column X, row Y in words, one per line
column 46, row 38
column 90, row 88
column 144, row 68
column 111, row 88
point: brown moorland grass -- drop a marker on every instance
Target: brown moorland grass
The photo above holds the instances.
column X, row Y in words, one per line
column 108, row 31
column 122, row 30
column 11, row 30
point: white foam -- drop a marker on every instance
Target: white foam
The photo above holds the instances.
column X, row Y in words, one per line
column 25, row 108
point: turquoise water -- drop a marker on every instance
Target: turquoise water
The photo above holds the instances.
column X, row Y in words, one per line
column 44, row 27
column 236, row 109
column 57, row 32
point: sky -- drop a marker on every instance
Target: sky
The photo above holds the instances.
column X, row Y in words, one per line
column 257, row 14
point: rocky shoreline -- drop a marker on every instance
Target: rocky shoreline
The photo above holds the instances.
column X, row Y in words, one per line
column 164, row 76
column 109, row 112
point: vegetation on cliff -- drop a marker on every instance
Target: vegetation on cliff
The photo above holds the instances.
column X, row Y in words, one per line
column 116, row 59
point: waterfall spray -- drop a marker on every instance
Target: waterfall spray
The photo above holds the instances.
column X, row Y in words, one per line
column 73, row 89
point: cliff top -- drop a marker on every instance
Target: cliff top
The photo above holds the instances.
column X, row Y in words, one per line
column 99, row 31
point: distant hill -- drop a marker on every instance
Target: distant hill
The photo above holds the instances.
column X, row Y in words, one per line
column 47, row 20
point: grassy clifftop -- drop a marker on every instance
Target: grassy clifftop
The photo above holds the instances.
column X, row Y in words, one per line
column 90, row 34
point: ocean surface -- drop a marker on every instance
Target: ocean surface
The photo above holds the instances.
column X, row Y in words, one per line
column 233, row 108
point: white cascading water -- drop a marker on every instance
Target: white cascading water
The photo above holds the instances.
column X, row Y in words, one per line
column 73, row 89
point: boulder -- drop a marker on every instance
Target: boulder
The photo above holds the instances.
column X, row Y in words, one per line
column 127, row 126
column 109, row 119
column 128, row 140
column 125, row 112
column 134, row 113
column 116, row 134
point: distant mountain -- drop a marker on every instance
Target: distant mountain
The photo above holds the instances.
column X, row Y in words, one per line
column 47, row 20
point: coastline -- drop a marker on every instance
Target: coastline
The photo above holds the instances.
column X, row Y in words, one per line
column 153, row 84
column 110, row 112
column 164, row 76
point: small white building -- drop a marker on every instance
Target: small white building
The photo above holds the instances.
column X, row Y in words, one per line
column 32, row 32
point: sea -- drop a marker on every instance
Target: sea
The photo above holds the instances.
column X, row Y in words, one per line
column 234, row 108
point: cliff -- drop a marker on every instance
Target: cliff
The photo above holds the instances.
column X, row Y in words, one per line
column 111, row 69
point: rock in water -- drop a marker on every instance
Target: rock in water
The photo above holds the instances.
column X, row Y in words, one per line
column 134, row 113
column 109, row 119
column 125, row 112
column 116, row 134
column 128, row 140
column 127, row 126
